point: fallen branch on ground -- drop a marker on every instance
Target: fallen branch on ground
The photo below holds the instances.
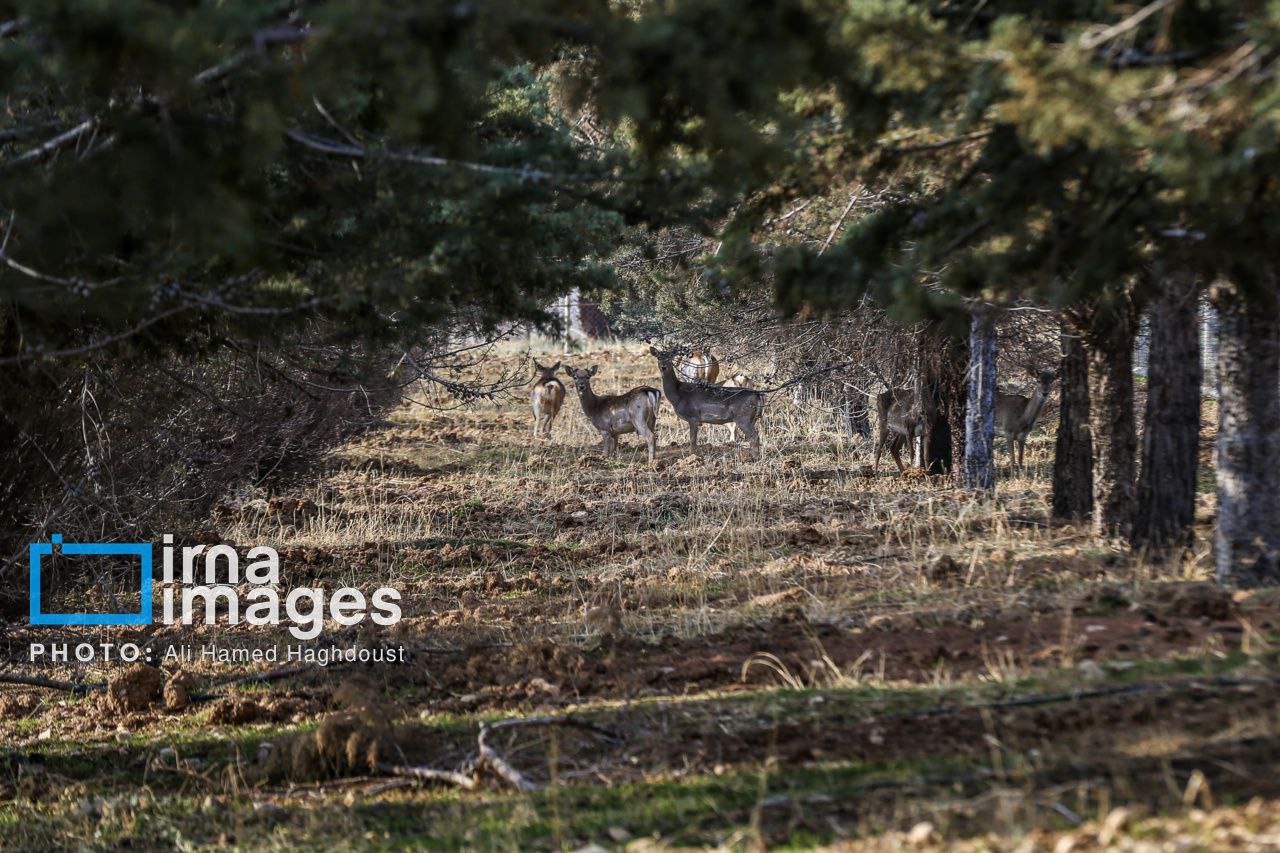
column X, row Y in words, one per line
column 78, row 688
column 491, row 760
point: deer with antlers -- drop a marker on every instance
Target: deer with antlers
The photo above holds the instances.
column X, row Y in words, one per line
column 546, row 398
column 618, row 414
column 698, row 403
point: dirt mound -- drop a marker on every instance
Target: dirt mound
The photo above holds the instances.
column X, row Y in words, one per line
column 177, row 691
column 1200, row 601
column 237, row 710
column 344, row 744
column 234, row 711
column 136, row 689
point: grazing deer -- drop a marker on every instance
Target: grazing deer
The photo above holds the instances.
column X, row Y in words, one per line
column 546, row 397
column 699, row 366
column 900, row 421
column 1016, row 415
column 698, row 403
column 618, row 414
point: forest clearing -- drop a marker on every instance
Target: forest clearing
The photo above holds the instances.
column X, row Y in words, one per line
column 782, row 651
column 635, row 425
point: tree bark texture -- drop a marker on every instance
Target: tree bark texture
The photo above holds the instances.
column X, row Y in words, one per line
column 1112, row 428
column 1073, row 453
column 1247, row 548
column 980, row 411
column 1171, row 427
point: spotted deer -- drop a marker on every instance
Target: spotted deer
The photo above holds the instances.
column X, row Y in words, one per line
column 618, row 414
column 1016, row 414
column 900, row 421
column 546, row 398
column 697, row 403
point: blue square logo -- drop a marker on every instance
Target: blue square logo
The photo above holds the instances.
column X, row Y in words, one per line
column 141, row 550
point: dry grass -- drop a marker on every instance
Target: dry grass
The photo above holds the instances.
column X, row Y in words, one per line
column 747, row 623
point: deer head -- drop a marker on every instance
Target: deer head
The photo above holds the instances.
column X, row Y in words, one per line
column 665, row 358
column 1044, row 379
column 545, row 373
column 582, row 377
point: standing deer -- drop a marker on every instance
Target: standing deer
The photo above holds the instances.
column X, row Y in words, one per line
column 699, row 366
column 698, row 403
column 900, row 421
column 618, row 414
column 1016, row 415
column 737, row 380
column 546, row 398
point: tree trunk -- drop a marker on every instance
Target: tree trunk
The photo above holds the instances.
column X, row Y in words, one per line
column 1112, row 429
column 980, row 411
column 1171, row 428
column 1209, row 344
column 1073, row 454
column 1247, row 550
column 946, row 372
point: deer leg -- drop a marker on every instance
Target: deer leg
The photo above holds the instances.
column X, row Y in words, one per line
column 644, row 427
column 693, row 435
column 895, row 448
column 753, row 438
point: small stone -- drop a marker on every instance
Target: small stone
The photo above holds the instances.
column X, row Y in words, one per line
column 921, row 834
column 1090, row 670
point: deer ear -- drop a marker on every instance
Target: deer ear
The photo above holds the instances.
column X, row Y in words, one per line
column 555, row 367
column 593, row 370
column 653, row 350
column 537, row 366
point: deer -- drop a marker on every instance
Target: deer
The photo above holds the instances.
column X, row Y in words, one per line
column 900, row 421
column 618, row 414
column 737, row 380
column 698, row 403
column 546, row 398
column 1016, row 414
column 699, row 366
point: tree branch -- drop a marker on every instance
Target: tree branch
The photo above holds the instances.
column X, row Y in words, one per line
column 59, row 141
column 334, row 148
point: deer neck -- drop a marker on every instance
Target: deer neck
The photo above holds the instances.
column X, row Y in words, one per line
column 671, row 384
column 590, row 402
column 1034, row 405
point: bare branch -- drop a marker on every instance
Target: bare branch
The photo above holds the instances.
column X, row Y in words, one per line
column 530, row 174
column 59, row 141
column 431, row 774
column 288, row 34
column 1129, row 23
column 78, row 688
